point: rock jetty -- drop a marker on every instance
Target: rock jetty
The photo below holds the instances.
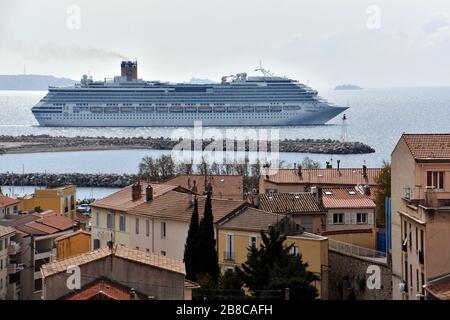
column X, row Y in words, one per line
column 46, row 143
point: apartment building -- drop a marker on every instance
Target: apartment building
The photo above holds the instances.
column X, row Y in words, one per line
column 61, row 199
column 241, row 230
column 221, row 186
column 420, row 212
column 350, row 215
column 301, row 179
column 151, row 217
column 32, row 246
column 6, row 233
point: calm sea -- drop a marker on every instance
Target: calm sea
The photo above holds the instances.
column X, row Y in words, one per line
column 377, row 116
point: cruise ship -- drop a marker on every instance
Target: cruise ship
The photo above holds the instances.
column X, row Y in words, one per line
column 238, row 100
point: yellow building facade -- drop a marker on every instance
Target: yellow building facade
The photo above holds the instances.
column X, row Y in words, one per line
column 236, row 234
column 73, row 244
column 62, row 200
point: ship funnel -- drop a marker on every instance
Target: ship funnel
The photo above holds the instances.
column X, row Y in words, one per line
column 129, row 70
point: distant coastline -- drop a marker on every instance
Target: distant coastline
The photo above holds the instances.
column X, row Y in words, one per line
column 33, row 82
column 348, row 87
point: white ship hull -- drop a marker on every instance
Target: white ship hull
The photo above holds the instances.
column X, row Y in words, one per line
column 304, row 116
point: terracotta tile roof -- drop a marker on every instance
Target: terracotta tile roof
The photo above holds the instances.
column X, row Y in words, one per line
column 251, row 219
column 346, row 198
column 6, row 230
column 150, row 259
column 59, row 222
column 223, row 186
column 298, row 203
column 332, row 177
column 178, row 206
column 122, row 200
column 440, row 287
column 41, row 227
column 7, row 201
column 428, row 146
column 104, row 288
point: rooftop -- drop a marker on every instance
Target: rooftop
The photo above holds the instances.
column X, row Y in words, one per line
column 146, row 258
column 332, row 177
column 6, row 230
column 251, row 219
column 297, row 203
column 426, row 147
column 223, row 186
column 104, row 289
column 7, row 201
column 439, row 287
column 122, row 200
column 38, row 224
column 346, row 198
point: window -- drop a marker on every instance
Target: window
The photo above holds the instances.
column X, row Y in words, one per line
column 122, row 223
column 338, row 218
column 1, row 245
column 295, row 251
column 97, row 218
column 417, row 281
column 147, row 228
column 163, row 230
column 96, row 244
column 229, row 247
column 421, row 240
column 163, row 253
column 410, row 236
column 422, row 276
column 417, row 239
column 109, row 221
column 435, row 179
column 253, row 241
column 137, row 225
column 361, row 218
column 410, row 276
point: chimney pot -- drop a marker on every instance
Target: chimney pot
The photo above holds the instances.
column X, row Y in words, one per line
column 149, row 193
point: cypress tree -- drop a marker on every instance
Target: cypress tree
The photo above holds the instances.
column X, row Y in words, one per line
column 210, row 264
column 191, row 248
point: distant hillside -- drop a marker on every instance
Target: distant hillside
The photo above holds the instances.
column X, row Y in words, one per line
column 347, row 87
column 32, row 82
column 200, row 81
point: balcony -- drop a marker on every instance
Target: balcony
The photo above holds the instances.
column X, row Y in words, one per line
column 14, row 248
column 15, row 267
column 45, row 255
column 228, row 256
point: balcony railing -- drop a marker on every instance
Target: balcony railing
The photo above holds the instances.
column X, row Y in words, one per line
column 228, row 256
column 354, row 250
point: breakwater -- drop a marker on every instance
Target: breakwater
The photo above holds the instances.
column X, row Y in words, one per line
column 78, row 179
column 46, row 143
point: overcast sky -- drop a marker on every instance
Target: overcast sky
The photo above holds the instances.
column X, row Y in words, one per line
column 328, row 42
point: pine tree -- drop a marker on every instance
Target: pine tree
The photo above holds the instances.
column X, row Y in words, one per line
column 191, row 248
column 209, row 261
column 272, row 267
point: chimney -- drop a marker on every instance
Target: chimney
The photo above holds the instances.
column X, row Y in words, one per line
column 329, row 166
column 136, row 190
column 133, row 295
column 194, row 188
column 365, row 171
column 319, row 195
column 367, row 190
column 300, row 170
column 250, row 199
column 338, row 164
column 189, row 184
column 148, row 193
column 129, row 70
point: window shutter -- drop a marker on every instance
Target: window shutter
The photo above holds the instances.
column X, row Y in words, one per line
column 330, row 218
column 353, row 218
column 370, row 218
column 347, row 218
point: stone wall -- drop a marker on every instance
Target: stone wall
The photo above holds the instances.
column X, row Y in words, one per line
column 348, row 278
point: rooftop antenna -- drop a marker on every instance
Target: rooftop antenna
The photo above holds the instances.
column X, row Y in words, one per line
column 265, row 72
column 344, row 128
